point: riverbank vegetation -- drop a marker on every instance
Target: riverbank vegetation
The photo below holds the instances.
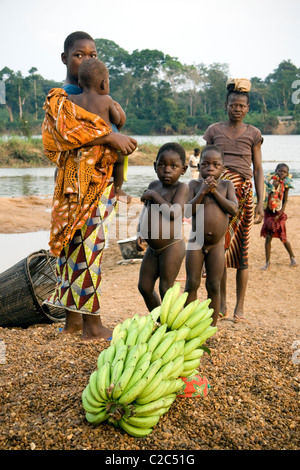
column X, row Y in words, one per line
column 160, row 95
column 20, row 152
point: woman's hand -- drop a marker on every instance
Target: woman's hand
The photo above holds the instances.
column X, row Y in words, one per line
column 258, row 214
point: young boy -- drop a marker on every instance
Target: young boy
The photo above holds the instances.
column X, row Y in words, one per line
column 93, row 78
column 218, row 199
column 193, row 163
column 160, row 224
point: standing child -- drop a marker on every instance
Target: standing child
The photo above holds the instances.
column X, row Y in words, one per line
column 93, row 78
column 274, row 226
column 193, row 163
column 219, row 199
column 160, row 224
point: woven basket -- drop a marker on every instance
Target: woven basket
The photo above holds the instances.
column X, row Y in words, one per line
column 24, row 287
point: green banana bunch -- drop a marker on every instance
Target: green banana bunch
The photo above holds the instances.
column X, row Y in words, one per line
column 138, row 374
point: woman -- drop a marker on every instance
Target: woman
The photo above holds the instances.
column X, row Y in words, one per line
column 241, row 144
column 84, row 149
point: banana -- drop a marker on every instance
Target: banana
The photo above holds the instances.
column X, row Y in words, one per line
column 153, row 369
column 190, row 345
column 174, row 385
column 122, row 334
column 192, row 364
column 199, row 329
column 146, row 332
column 211, row 330
column 165, row 304
column 158, row 392
column 93, row 385
column 103, row 380
column 164, row 345
column 115, row 332
column 121, row 354
column 177, row 368
column 195, row 354
column 134, row 430
column 189, row 373
column 95, row 407
column 152, row 385
column 122, row 382
column 96, row 418
column 156, row 337
column 132, row 337
column 148, row 421
column 134, row 359
column 126, row 323
column 208, row 314
column 175, row 293
column 154, row 406
column 173, row 351
column 144, row 357
column 184, row 315
column 155, row 313
column 176, row 308
column 101, row 359
column 137, row 375
column 116, row 371
column 125, row 168
column 182, row 332
column 110, row 353
column 142, row 322
column 132, row 393
column 198, row 314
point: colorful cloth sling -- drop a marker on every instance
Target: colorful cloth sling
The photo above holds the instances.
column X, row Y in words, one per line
column 83, row 202
column 83, row 172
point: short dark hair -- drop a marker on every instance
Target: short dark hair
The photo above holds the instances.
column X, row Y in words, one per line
column 212, row 147
column 281, row 165
column 177, row 148
column 92, row 71
column 73, row 37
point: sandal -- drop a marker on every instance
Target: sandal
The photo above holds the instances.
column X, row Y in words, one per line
column 222, row 316
column 237, row 319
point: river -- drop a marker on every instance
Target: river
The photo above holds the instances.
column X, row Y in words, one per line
column 40, row 182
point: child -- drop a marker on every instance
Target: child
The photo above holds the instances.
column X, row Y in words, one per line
column 218, row 199
column 193, row 163
column 274, row 226
column 93, row 78
column 160, row 224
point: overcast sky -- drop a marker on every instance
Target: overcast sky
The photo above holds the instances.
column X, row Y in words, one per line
column 251, row 37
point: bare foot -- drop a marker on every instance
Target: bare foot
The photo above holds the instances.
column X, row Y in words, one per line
column 266, row 266
column 293, row 262
column 73, row 322
column 94, row 330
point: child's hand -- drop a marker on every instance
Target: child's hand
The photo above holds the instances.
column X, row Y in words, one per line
column 140, row 244
column 147, row 195
column 209, row 185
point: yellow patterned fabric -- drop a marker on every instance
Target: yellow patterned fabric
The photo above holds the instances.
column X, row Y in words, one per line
column 83, row 172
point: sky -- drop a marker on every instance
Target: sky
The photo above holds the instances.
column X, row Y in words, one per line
column 251, row 37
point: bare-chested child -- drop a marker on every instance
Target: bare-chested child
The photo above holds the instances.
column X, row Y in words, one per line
column 160, row 224
column 206, row 243
column 93, row 78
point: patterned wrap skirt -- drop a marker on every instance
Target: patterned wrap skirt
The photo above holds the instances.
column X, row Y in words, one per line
column 274, row 228
column 78, row 267
column 237, row 236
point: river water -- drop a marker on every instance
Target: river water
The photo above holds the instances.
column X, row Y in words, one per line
column 40, row 182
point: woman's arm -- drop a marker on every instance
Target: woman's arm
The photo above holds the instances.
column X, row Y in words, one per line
column 258, row 175
column 121, row 142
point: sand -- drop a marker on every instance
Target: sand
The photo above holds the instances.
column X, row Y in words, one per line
column 253, row 370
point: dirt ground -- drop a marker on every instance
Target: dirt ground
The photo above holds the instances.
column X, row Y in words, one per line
column 253, row 371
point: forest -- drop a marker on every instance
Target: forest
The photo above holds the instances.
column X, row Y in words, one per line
column 159, row 94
